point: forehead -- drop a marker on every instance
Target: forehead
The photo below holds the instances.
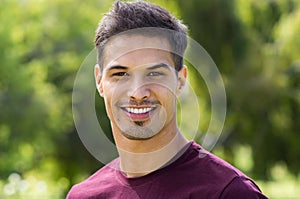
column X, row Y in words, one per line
column 137, row 50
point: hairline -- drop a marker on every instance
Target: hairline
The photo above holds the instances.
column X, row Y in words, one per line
column 101, row 49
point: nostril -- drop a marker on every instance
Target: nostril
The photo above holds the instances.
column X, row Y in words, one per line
column 139, row 94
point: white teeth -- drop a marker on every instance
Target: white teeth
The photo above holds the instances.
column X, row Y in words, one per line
column 138, row 110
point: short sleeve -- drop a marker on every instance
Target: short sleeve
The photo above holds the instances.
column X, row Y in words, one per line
column 242, row 188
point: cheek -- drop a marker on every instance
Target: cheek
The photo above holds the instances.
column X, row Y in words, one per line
column 115, row 89
column 111, row 96
column 107, row 107
column 166, row 91
column 167, row 97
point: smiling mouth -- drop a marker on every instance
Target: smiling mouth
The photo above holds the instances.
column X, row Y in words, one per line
column 138, row 114
column 139, row 110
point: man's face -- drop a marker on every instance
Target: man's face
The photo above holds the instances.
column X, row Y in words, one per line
column 139, row 85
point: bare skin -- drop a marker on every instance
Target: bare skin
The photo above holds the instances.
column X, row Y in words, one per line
column 139, row 86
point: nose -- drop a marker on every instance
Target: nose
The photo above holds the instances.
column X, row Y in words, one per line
column 139, row 92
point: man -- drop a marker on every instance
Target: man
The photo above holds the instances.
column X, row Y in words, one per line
column 139, row 74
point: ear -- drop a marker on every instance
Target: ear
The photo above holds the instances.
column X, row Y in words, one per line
column 182, row 75
column 98, row 78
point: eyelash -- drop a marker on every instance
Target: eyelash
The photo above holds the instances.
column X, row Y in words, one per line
column 155, row 74
column 120, row 74
column 151, row 74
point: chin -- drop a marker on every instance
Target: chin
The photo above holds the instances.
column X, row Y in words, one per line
column 139, row 132
column 130, row 137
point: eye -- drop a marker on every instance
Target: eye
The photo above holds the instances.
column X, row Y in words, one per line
column 155, row 74
column 120, row 74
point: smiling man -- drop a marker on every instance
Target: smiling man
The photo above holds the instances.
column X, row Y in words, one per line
column 138, row 87
column 140, row 74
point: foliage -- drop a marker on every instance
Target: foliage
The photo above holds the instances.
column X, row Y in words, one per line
column 255, row 44
column 42, row 46
column 256, row 47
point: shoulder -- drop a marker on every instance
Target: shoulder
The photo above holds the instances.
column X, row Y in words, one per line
column 210, row 163
column 95, row 183
column 241, row 187
column 221, row 177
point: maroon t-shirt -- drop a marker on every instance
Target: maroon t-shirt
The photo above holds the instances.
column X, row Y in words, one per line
column 196, row 173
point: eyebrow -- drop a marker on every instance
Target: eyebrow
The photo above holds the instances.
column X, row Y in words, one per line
column 161, row 65
column 119, row 67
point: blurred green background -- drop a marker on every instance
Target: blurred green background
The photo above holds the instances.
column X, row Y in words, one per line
column 255, row 44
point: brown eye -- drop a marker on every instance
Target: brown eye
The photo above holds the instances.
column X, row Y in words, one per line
column 155, row 74
column 120, row 74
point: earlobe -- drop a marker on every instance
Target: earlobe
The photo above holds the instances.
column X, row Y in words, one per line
column 98, row 77
column 182, row 75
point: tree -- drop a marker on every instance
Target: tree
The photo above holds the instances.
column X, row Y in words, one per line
column 43, row 45
column 256, row 48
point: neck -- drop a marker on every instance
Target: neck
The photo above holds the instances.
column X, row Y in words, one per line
column 140, row 157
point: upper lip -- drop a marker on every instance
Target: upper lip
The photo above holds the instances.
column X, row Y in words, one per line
column 139, row 110
column 135, row 104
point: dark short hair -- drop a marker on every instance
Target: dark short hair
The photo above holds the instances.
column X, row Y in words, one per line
column 126, row 16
